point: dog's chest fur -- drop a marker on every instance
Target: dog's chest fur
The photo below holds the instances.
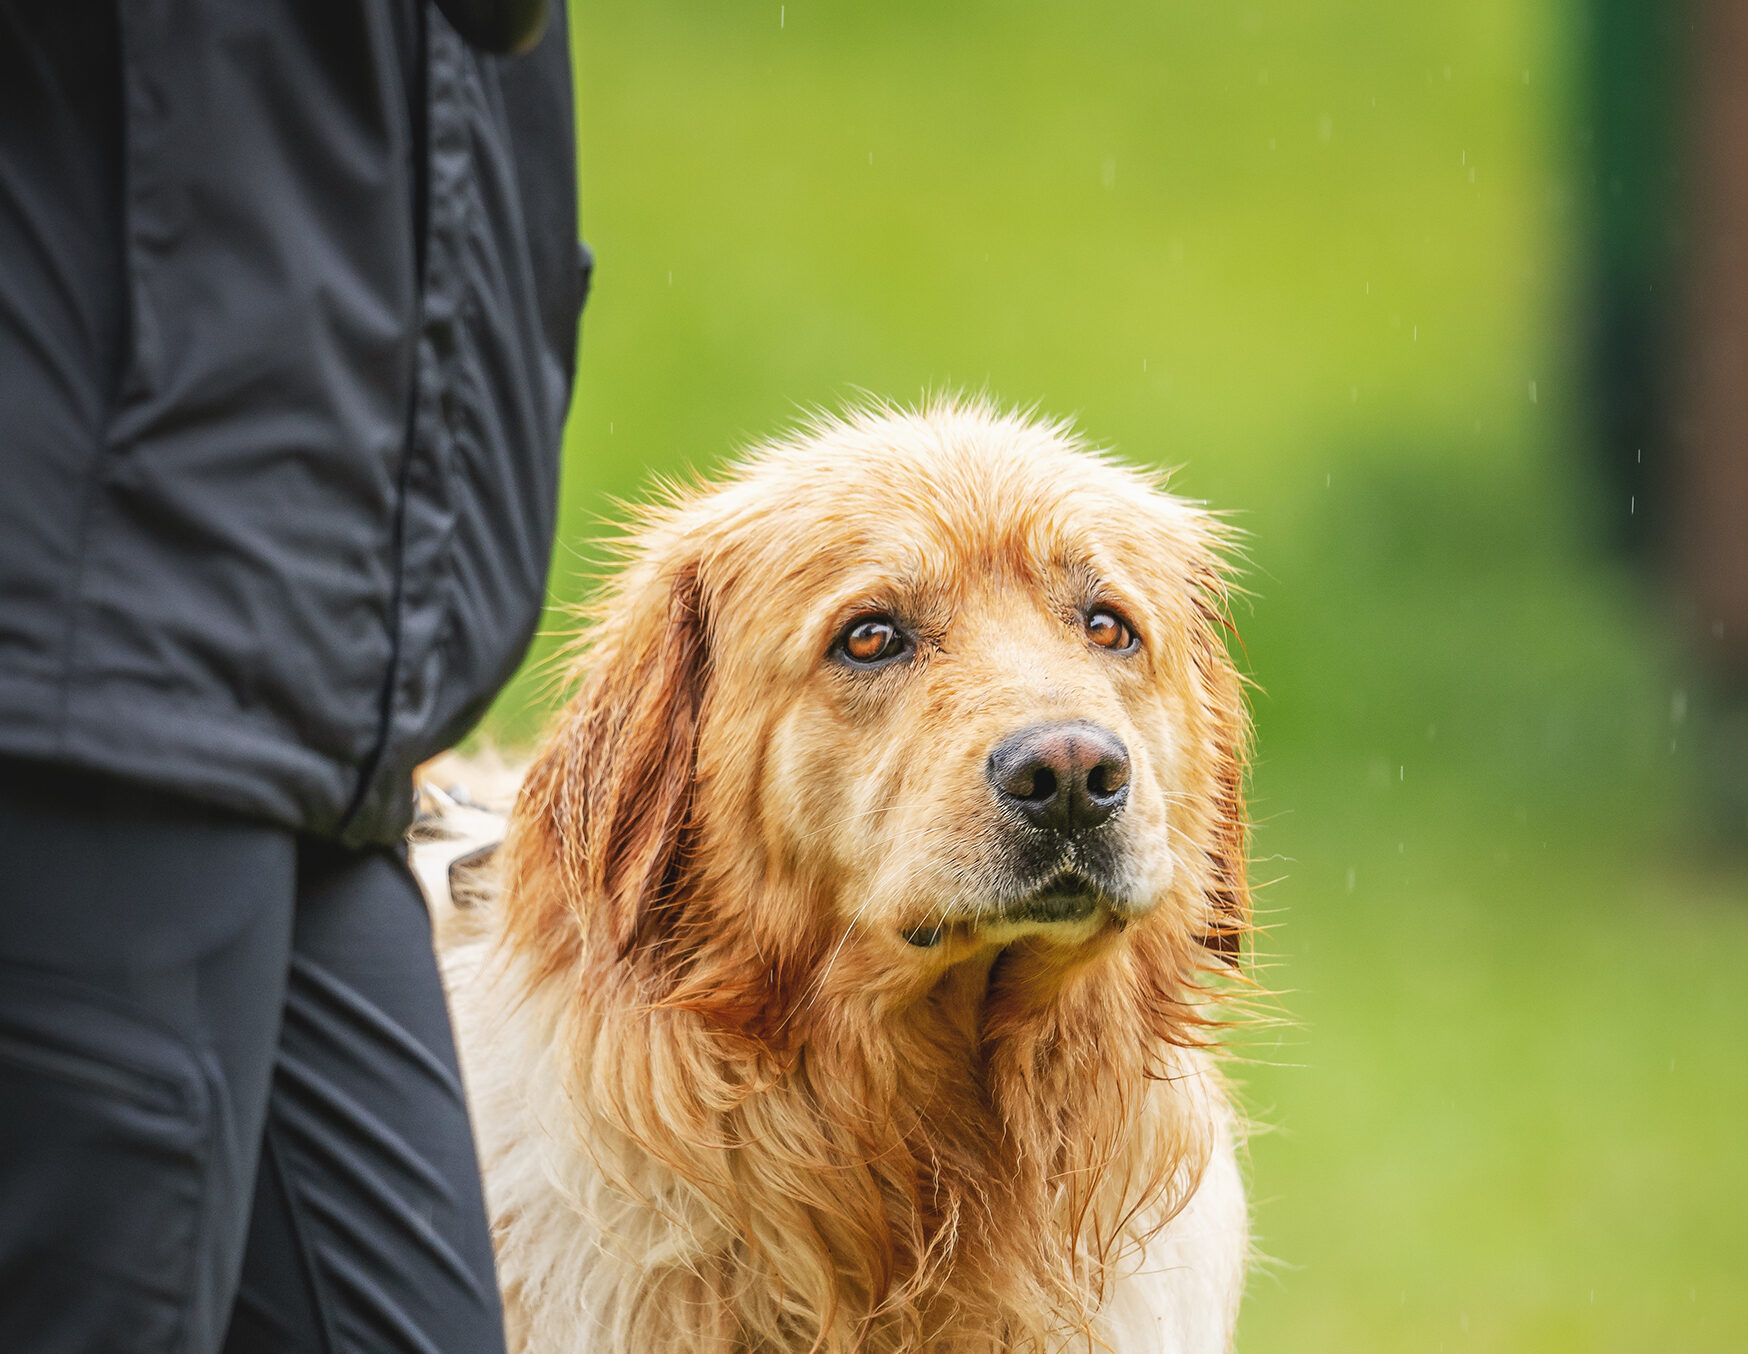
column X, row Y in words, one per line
column 604, row 1249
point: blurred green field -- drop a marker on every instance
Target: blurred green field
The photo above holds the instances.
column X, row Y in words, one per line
column 1320, row 256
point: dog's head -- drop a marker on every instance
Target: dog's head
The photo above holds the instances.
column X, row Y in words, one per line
column 905, row 690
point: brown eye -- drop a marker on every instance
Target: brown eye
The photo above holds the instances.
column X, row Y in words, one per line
column 1110, row 631
column 872, row 640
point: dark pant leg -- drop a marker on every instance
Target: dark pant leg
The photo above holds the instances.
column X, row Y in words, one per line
column 369, row 1231
column 143, row 949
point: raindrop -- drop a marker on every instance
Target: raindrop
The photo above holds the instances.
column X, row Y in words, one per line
column 1533, row 399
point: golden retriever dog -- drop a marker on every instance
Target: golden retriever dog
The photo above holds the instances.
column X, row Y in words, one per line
column 849, row 979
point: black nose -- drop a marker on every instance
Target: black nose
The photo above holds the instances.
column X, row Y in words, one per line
column 1063, row 777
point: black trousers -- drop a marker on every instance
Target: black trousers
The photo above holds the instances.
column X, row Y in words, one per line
column 230, row 1116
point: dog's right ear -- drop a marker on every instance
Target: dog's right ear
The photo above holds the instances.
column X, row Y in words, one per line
column 604, row 812
column 1227, row 724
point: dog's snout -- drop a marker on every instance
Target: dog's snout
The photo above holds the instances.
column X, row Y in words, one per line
column 1062, row 777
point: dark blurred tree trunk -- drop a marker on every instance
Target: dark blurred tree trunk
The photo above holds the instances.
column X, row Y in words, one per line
column 1635, row 51
column 1709, row 505
column 1708, row 538
column 1668, row 138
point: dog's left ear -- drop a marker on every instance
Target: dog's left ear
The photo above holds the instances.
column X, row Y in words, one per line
column 604, row 813
column 1226, row 729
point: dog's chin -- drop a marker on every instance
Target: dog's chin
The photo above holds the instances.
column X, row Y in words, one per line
column 1069, row 907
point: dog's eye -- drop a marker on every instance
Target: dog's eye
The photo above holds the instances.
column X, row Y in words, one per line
column 870, row 640
column 1108, row 630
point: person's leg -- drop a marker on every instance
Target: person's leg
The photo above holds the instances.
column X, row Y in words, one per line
column 143, row 951
column 369, row 1232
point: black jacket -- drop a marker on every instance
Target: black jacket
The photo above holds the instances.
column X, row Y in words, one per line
column 288, row 306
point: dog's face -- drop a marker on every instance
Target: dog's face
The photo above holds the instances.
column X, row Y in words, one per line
column 970, row 703
column 940, row 682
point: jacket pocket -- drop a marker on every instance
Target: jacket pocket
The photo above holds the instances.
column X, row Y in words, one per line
column 23, row 1056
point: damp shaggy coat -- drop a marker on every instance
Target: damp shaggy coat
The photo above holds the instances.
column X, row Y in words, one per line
column 848, row 981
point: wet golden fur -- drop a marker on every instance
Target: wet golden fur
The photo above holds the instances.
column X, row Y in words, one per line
column 724, row 1104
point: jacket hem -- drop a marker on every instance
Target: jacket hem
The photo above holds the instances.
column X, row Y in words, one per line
column 138, row 734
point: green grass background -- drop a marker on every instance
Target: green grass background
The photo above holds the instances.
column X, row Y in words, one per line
column 1323, row 257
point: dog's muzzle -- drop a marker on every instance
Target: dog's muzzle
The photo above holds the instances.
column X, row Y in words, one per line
column 1057, row 785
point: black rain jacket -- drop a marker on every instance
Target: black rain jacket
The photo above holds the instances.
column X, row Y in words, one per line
column 288, row 307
